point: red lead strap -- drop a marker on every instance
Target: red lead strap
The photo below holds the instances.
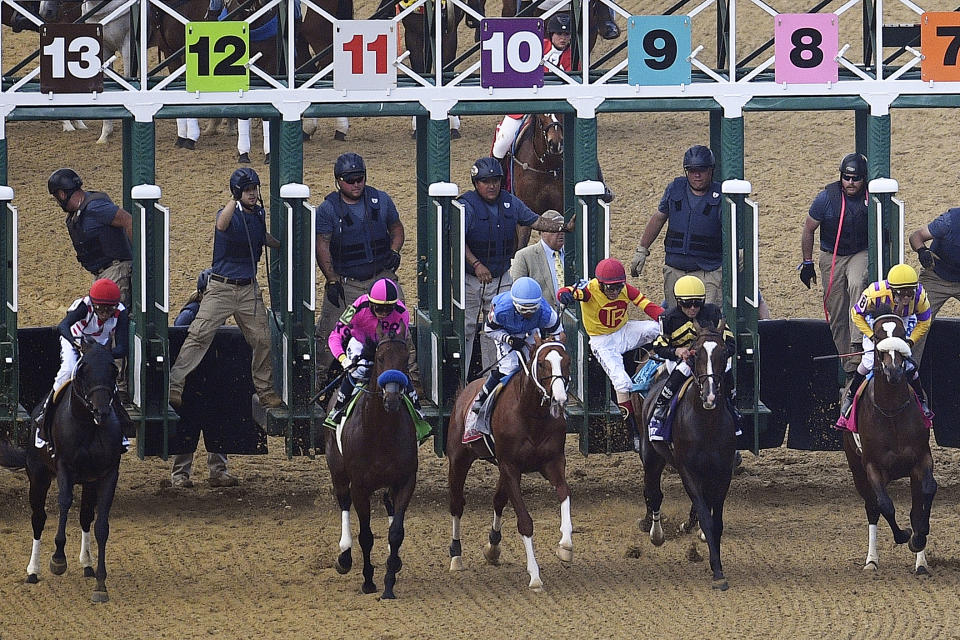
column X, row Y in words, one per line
column 836, row 244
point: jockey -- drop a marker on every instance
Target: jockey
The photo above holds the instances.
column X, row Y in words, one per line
column 380, row 311
column 97, row 317
column 906, row 297
column 677, row 334
column 515, row 317
column 604, row 302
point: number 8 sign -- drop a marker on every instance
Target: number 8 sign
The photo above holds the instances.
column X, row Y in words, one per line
column 363, row 54
column 806, row 46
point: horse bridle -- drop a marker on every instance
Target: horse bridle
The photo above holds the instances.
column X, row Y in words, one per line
column 83, row 395
column 716, row 375
column 533, row 375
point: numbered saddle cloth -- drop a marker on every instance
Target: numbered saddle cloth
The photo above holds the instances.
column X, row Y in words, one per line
column 477, row 425
column 849, row 423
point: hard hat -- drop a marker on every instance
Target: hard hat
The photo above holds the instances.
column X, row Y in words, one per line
column 689, row 288
column 105, row 291
column 526, row 295
column 611, row 271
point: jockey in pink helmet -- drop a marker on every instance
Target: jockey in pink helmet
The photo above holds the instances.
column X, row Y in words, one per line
column 378, row 312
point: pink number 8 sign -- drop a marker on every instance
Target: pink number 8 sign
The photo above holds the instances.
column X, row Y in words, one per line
column 805, row 46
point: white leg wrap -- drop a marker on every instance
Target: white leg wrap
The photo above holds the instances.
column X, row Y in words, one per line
column 921, row 561
column 33, row 567
column 506, row 132
column 872, row 545
column 105, row 133
column 343, row 124
column 86, row 558
column 67, row 125
column 532, row 567
column 566, row 525
column 243, row 136
column 455, row 122
column 266, row 137
column 193, row 129
column 656, row 529
column 346, row 540
column 454, row 527
column 181, row 127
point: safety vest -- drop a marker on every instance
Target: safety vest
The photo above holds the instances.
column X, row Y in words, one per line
column 237, row 251
column 694, row 237
column 853, row 237
column 359, row 248
column 948, row 248
column 492, row 240
column 96, row 248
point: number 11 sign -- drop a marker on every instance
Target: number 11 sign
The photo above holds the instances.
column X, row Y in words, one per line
column 363, row 54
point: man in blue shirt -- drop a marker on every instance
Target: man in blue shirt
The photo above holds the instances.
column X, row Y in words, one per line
column 240, row 234
column 940, row 276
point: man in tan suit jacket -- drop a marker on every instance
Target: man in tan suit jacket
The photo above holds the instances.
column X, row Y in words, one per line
column 538, row 262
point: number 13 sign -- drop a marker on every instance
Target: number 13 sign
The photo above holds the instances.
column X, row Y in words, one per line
column 363, row 54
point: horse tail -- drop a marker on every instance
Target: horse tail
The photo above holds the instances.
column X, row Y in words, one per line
column 12, row 457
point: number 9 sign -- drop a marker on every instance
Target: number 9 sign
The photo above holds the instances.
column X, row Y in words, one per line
column 806, row 46
column 658, row 50
column 511, row 52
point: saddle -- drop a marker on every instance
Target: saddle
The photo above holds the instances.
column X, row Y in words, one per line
column 849, row 423
column 423, row 427
column 477, row 426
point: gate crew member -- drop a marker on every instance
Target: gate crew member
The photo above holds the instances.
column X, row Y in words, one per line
column 490, row 228
column 940, row 276
column 359, row 237
column 240, row 234
column 690, row 208
column 678, row 332
column 905, row 296
column 604, row 302
column 515, row 318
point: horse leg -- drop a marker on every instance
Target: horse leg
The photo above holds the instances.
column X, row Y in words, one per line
column 653, row 465
column 710, row 525
column 491, row 552
column 862, row 485
column 341, row 128
column 692, row 521
column 511, row 475
column 105, row 490
column 243, row 140
column 344, row 561
column 885, row 504
column 39, row 485
column 58, row 561
column 460, row 462
column 923, row 488
column 88, row 503
column 361, row 502
column 395, row 536
column 555, row 472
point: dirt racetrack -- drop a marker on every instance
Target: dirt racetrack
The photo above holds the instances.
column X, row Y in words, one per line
column 256, row 561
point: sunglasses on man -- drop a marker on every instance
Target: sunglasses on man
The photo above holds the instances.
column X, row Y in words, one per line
column 689, row 304
column 354, row 179
column 848, row 178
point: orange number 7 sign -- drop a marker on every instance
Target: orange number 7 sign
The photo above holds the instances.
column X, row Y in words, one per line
column 940, row 43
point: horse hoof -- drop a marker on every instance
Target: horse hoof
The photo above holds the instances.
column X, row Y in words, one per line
column 413, row 134
column 657, row 538
column 492, row 554
column 339, row 135
column 454, row 134
column 88, row 572
column 721, row 584
column 243, row 158
column 903, row 536
column 388, row 595
column 644, row 523
column 58, row 567
column 922, row 571
column 343, row 563
column 456, row 563
column 99, row 596
column 565, row 555
column 368, row 587
column 871, row 566
column 536, row 585
column 32, row 579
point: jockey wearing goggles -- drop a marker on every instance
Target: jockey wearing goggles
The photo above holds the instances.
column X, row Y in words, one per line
column 902, row 294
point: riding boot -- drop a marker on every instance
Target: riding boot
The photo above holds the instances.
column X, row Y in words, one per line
column 657, row 428
column 626, row 412
column 608, row 29
column 855, row 383
column 730, row 384
column 43, row 430
column 493, row 379
column 344, row 393
column 922, row 397
column 212, row 15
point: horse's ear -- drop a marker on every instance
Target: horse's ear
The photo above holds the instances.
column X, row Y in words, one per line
column 722, row 326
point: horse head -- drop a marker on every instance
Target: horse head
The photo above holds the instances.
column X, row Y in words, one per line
column 551, row 131
column 709, row 362
column 390, row 366
column 95, row 381
column 891, row 346
column 550, row 372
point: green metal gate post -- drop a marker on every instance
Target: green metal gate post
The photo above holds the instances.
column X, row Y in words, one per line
column 149, row 360
column 14, row 421
column 886, row 235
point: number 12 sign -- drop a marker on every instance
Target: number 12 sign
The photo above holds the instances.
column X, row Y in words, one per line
column 363, row 54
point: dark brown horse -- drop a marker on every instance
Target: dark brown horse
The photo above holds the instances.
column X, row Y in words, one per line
column 534, row 167
column 895, row 444
column 87, row 438
column 704, row 446
column 530, row 429
column 375, row 448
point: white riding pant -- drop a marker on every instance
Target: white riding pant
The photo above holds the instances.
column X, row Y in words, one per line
column 188, row 128
column 243, row 136
column 68, row 363
column 609, row 349
column 353, row 350
column 506, row 133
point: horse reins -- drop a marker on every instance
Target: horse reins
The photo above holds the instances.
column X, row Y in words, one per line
column 531, row 371
column 542, row 157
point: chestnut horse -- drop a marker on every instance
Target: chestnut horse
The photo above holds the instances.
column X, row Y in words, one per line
column 375, row 448
column 534, row 166
column 704, row 446
column 87, row 437
column 530, row 429
column 895, row 443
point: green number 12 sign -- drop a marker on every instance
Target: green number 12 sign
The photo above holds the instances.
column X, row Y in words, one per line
column 217, row 56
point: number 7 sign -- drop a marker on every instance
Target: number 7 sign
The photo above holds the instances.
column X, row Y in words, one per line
column 363, row 54
column 940, row 43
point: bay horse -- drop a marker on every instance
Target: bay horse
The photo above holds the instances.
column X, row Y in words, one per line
column 534, row 167
column 376, row 448
column 87, row 437
column 894, row 443
column 704, row 447
column 530, row 429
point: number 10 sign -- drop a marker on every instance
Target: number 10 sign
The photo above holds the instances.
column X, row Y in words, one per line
column 363, row 54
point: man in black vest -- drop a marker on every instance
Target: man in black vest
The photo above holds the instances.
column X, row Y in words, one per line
column 359, row 237
column 840, row 212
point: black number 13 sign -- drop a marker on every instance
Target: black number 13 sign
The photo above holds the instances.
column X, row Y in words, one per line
column 70, row 58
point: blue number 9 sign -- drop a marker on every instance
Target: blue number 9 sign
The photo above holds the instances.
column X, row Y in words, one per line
column 511, row 53
column 658, row 50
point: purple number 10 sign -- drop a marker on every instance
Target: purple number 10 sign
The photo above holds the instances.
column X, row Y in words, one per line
column 511, row 52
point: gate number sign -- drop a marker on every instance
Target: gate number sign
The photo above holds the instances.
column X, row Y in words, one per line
column 806, row 46
column 70, row 58
column 217, row 56
column 364, row 55
column 940, row 42
column 511, row 52
column 658, row 50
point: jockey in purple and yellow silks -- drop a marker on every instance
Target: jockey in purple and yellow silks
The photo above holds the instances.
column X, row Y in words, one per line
column 903, row 294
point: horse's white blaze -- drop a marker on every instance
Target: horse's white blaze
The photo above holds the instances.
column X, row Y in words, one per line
column 86, row 558
column 558, row 392
column 888, row 328
column 711, row 398
column 33, row 567
column 346, row 540
column 872, row 546
column 532, row 567
column 921, row 561
column 566, row 525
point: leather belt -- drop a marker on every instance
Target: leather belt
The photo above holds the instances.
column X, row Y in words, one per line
column 239, row 282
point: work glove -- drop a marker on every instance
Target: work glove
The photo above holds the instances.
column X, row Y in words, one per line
column 565, row 297
column 639, row 258
column 516, row 343
column 334, row 293
column 807, row 273
column 926, row 257
column 393, row 261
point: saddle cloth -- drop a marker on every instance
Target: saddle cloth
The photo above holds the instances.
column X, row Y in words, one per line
column 850, row 423
column 423, row 427
column 475, row 425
